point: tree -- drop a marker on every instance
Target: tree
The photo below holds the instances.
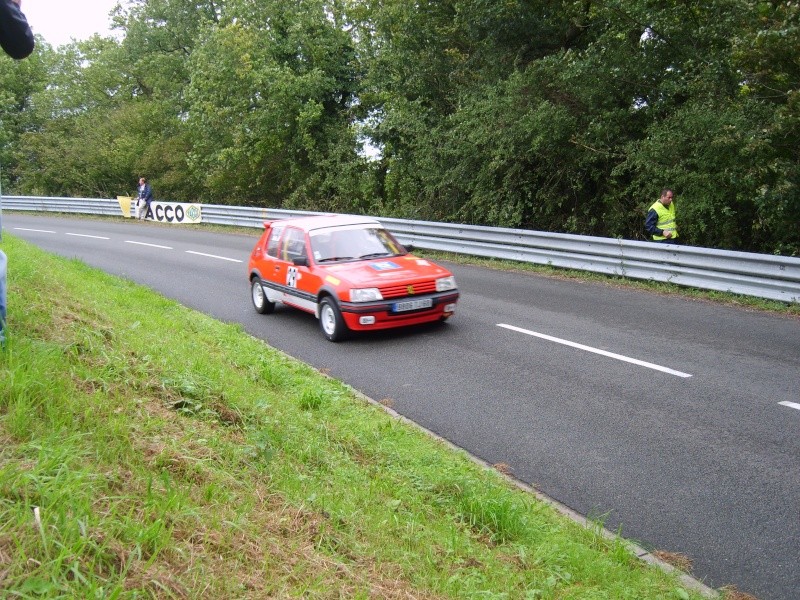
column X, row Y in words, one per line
column 20, row 81
column 269, row 103
column 558, row 116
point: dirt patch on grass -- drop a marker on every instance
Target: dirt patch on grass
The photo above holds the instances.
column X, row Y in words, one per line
column 675, row 559
column 731, row 593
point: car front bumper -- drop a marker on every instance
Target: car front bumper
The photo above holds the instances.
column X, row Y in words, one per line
column 364, row 316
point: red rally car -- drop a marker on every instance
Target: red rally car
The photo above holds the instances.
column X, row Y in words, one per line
column 348, row 271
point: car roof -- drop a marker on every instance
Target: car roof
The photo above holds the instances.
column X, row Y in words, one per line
column 325, row 221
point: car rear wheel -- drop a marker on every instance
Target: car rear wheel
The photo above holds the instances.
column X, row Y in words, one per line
column 331, row 321
column 260, row 301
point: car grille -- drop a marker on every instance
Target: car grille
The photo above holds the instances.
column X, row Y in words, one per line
column 401, row 291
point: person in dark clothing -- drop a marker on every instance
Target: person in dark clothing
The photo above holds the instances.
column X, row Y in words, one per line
column 16, row 39
column 144, row 199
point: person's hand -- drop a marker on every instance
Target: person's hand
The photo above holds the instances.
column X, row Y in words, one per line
column 667, row 234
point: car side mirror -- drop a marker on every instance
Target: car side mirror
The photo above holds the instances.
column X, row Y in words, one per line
column 409, row 247
column 300, row 261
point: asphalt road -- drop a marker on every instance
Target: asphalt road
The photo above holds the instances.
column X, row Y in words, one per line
column 676, row 421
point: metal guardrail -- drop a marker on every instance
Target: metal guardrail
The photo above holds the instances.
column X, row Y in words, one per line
column 758, row 275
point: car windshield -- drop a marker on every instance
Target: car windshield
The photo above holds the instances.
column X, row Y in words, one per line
column 353, row 243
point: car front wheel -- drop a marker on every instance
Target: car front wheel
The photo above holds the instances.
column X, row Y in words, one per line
column 260, row 301
column 331, row 321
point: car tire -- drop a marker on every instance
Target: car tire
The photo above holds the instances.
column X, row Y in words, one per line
column 331, row 321
column 261, row 303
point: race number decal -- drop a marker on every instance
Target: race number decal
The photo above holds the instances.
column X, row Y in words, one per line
column 292, row 277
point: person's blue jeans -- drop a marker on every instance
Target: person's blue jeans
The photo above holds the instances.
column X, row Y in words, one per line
column 3, row 264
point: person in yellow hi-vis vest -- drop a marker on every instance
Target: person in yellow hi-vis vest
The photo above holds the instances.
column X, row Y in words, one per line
column 660, row 222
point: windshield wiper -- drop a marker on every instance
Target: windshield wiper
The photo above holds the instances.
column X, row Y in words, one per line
column 375, row 255
column 335, row 258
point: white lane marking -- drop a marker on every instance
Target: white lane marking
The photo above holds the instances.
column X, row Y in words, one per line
column 96, row 237
column 634, row 361
column 213, row 256
column 34, row 230
column 151, row 245
column 790, row 404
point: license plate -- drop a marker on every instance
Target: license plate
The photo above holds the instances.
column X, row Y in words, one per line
column 412, row 305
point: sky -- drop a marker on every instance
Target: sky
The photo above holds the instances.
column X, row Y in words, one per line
column 58, row 21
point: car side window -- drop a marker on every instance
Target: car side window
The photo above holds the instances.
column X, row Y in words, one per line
column 274, row 239
column 293, row 244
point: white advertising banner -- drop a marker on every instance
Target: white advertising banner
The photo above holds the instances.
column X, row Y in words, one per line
column 174, row 212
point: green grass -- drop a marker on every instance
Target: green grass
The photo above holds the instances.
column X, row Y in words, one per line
column 149, row 451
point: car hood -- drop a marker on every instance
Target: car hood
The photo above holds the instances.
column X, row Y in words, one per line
column 383, row 271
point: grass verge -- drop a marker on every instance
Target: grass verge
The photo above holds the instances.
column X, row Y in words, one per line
column 148, row 451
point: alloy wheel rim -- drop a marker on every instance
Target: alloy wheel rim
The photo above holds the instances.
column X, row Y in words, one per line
column 328, row 320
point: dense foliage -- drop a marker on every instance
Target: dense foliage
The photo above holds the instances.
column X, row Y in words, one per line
column 562, row 116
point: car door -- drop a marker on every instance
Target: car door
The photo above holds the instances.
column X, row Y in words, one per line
column 292, row 271
column 271, row 266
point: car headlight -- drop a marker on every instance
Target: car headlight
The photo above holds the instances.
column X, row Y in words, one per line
column 365, row 295
column 445, row 283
